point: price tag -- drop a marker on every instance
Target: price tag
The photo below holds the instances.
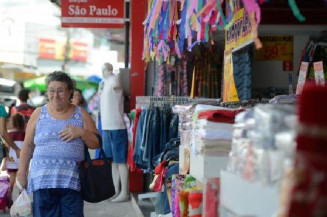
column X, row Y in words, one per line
column 302, row 77
column 319, row 73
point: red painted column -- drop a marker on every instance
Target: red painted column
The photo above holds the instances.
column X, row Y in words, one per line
column 137, row 71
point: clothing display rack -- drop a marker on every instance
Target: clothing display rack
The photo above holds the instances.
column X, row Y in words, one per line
column 145, row 101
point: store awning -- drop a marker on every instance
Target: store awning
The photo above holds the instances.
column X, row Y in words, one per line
column 40, row 84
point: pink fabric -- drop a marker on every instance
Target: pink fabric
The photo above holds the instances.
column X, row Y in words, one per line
column 212, row 195
column 160, row 81
column 4, row 190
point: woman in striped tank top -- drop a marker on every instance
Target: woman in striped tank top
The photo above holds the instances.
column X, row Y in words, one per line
column 55, row 138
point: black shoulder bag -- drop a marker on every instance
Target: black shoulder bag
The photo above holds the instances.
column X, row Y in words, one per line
column 96, row 177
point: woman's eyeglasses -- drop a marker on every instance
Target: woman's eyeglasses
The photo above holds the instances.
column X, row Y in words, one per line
column 60, row 92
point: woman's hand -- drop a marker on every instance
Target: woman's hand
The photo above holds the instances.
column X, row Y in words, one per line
column 22, row 179
column 71, row 133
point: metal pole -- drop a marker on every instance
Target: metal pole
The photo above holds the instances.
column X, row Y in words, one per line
column 127, row 24
column 67, row 51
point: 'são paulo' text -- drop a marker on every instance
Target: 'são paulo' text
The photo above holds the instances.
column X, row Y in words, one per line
column 75, row 10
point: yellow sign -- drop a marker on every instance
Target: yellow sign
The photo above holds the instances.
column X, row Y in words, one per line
column 276, row 47
column 229, row 90
column 240, row 31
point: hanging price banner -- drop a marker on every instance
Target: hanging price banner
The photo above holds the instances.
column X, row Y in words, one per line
column 302, row 77
column 319, row 73
column 229, row 90
column 276, row 48
column 240, row 32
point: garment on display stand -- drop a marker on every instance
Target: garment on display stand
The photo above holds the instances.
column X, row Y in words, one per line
column 207, row 70
column 156, row 126
column 171, row 79
column 196, row 73
column 155, row 139
column 242, row 66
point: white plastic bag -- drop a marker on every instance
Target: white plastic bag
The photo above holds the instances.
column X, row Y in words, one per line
column 22, row 206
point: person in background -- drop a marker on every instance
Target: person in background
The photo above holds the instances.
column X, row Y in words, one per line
column 24, row 108
column 17, row 134
column 5, row 135
column 78, row 99
column 56, row 136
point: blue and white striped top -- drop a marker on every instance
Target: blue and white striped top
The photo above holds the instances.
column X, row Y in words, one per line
column 54, row 163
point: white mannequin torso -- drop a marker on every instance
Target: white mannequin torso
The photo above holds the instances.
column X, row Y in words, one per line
column 112, row 103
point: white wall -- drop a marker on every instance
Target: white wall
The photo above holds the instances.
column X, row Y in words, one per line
column 270, row 73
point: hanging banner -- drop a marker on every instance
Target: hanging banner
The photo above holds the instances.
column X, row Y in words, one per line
column 240, row 31
column 275, row 48
column 319, row 73
column 92, row 13
column 302, row 77
column 229, row 88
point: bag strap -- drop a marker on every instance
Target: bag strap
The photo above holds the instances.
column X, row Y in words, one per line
column 102, row 154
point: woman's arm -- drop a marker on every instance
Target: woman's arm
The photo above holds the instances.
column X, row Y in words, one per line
column 89, row 137
column 27, row 148
column 87, row 133
column 5, row 135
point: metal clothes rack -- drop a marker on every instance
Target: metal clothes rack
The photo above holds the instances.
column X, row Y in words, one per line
column 146, row 101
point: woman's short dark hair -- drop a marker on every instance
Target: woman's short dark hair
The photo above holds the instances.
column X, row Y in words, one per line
column 62, row 77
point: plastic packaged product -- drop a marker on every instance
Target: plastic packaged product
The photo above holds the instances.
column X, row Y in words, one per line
column 211, row 197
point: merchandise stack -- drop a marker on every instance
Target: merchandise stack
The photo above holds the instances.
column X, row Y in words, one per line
column 206, row 137
column 263, row 146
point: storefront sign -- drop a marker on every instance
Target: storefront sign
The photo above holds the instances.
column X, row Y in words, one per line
column 319, row 73
column 240, row 31
column 92, row 13
column 276, row 48
column 302, row 77
column 229, row 88
column 55, row 49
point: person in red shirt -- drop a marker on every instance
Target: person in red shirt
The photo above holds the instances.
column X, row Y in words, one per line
column 24, row 108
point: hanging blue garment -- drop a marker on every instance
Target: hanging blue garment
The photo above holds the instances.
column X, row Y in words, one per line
column 242, row 66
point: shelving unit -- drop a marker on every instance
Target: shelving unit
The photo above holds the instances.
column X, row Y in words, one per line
column 203, row 166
